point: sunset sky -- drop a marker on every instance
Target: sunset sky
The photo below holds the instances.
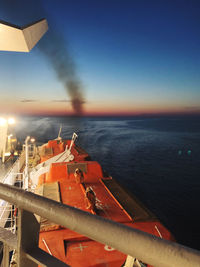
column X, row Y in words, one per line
column 130, row 57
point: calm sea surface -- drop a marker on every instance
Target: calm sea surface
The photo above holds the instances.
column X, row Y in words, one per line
column 157, row 159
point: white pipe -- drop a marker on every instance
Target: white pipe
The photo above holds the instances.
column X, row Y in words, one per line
column 26, row 158
column 74, row 136
column 46, row 246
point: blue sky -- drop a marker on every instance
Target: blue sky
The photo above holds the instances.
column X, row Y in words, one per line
column 131, row 57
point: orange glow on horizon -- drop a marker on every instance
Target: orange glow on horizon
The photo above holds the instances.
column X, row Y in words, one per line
column 103, row 113
column 98, row 108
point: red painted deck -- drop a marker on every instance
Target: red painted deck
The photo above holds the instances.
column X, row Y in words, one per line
column 77, row 250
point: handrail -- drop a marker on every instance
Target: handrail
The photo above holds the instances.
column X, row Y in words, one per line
column 145, row 247
column 10, row 178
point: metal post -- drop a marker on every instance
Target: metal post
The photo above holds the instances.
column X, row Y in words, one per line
column 26, row 161
column 4, row 140
column 5, row 256
column 28, row 253
column 145, row 247
column 74, row 136
column 28, row 235
column 59, row 132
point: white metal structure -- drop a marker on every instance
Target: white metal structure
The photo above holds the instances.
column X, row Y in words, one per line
column 14, row 175
column 14, row 38
column 74, row 137
column 44, row 167
column 20, row 173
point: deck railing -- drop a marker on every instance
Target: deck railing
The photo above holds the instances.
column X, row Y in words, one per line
column 14, row 172
column 145, row 247
column 13, row 176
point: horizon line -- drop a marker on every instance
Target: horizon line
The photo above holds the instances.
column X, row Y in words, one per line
column 85, row 115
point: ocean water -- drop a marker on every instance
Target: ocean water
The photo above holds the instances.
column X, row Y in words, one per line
column 157, row 159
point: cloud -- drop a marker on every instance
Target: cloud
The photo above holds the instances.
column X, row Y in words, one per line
column 60, row 100
column 192, row 108
column 28, row 100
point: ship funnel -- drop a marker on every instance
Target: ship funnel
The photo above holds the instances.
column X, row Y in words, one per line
column 21, row 39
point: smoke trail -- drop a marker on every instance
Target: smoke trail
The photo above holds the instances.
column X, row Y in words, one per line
column 54, row 47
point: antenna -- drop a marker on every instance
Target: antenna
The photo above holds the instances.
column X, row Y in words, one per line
column 59, row 132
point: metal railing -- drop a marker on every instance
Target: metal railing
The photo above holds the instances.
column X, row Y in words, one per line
column 145, row 247
column 13, row 176
column 13, row 173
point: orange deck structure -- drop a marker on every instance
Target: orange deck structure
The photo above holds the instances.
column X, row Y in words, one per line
column 107, row 199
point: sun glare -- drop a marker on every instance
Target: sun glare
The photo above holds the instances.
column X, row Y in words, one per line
column 2, row 121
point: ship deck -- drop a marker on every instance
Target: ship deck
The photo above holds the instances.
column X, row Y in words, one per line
column 112, row 202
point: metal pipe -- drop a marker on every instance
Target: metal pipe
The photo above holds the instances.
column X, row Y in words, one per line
column 59, row 132
column 45, row 243
column 74, row 136
column 140, row 245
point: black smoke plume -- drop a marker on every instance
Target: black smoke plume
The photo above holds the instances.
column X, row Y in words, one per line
column 54, row 47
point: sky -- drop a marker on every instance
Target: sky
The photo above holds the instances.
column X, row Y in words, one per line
column 128, row 57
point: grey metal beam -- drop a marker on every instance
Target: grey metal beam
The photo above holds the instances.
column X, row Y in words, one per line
column 143, row 246
column 6, row 255
column 42, row 258
column 27, row 237
column 28, row 252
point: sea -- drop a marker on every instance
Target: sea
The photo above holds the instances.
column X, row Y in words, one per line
column 155, row 158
